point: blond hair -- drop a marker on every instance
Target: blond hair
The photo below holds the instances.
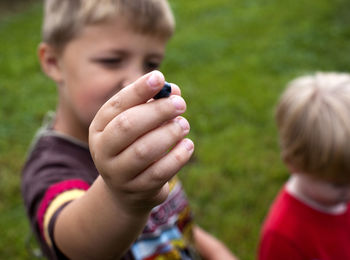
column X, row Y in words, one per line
column 313, row 118
column 64, row 19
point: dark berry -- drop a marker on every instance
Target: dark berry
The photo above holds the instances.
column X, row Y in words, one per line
column 164, row 92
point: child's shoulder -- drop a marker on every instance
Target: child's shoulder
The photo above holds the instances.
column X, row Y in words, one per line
column 53, row 156
column 285, row 213
column 50, row 147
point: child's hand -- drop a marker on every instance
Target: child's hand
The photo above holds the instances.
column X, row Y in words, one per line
column 138, row 146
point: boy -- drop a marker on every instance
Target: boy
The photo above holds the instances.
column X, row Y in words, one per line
column 99, row 181
column 310, row 218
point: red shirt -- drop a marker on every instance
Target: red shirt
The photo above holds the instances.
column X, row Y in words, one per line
column 293, row 230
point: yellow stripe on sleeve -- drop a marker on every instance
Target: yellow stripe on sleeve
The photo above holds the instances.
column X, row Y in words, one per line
column 55, row 204
column 173, row 182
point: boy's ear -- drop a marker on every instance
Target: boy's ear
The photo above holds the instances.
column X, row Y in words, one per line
column 49, row 60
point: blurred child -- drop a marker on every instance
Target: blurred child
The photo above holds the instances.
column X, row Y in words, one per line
column 310, row 218
column 99, row 182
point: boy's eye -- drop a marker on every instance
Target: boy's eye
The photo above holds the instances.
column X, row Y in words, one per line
column 150, row 65
column 110, row 62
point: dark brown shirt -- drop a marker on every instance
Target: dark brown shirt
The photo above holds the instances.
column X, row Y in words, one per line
column 59, row 170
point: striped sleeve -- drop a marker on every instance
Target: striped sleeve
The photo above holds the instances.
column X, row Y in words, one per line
column 56, row 196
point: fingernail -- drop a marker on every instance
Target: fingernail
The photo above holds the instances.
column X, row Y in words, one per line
column 154, row 79
column 178, row 102
column 188, row 145
column 183, row 123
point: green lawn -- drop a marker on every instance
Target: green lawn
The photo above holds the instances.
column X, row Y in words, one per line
column 232, row 59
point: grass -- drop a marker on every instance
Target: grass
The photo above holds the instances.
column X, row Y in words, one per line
column 232, row 59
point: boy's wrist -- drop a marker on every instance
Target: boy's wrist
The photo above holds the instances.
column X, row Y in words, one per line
column 123, row 203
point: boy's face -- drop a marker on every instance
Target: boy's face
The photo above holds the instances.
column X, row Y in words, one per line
column 99, row 62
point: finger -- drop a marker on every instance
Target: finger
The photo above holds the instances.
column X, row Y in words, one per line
column 148, row 149
column 125, row 128
column 175, row 90
column 159, row 173
column 134, row 94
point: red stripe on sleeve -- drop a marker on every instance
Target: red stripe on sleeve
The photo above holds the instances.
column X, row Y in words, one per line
column 52, row 192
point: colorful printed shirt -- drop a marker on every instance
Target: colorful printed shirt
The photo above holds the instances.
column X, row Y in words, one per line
column 59, row 170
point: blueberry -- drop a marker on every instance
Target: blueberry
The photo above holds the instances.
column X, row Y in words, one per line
column 164, row 92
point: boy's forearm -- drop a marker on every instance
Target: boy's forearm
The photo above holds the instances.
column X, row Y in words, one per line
column 95, row 226
column 209, row 247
